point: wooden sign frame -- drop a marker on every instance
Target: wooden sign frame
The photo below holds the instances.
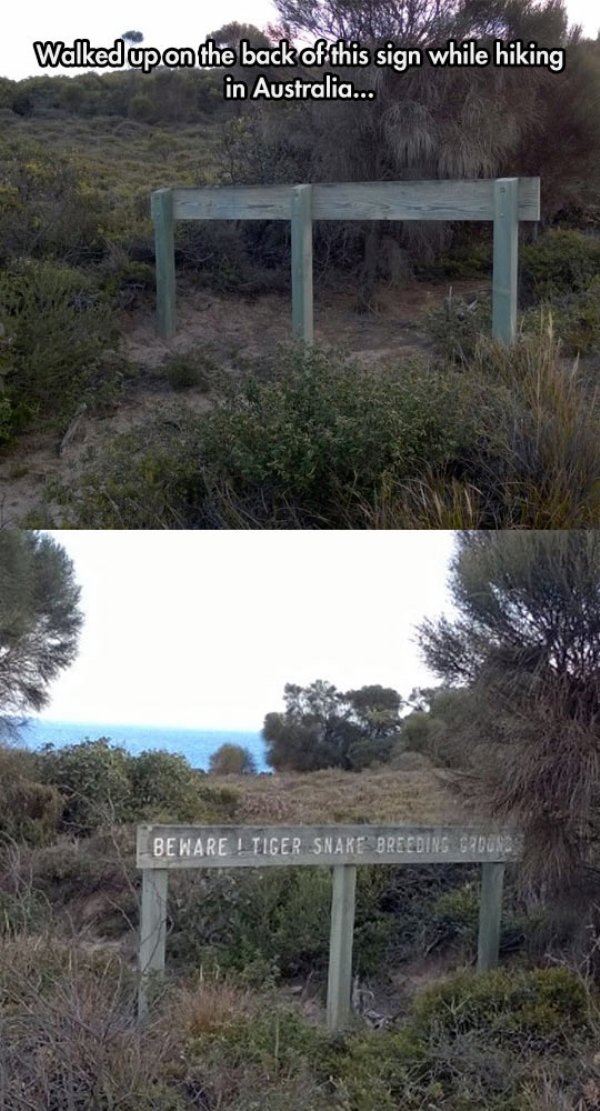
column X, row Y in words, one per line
column 504, row 201
column 164, row 848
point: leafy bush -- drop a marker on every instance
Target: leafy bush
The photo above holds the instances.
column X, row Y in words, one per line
column 511, row 1032
column 269, row 924
column 29, row 810
column 188, row 370
column 258, row 1054
column 100, row 784
column 164, row 787
column 296, row 446
column 542, row 1007
column 56, row 332
column 46, row 209
column 93, row 778
column 231, row 759
column 559, row 262
column 575, row 316
column 456, row 327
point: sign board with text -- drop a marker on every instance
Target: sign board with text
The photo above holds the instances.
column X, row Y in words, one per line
column 267, row 846
column 163, row 848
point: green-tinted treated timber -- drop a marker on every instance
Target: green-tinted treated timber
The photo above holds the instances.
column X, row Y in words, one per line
column 506, row 252
column 490, row 916
column 302, row 266
column 153, row 930
column 340, row 946
column 356, row 200
column 162, row 215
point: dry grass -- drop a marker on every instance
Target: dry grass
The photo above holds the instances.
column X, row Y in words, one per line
column 338, row 796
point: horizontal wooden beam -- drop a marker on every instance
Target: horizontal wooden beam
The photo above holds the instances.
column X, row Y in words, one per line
column 180, row 846
column 371, row 200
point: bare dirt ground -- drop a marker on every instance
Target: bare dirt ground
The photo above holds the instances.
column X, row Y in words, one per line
column 231, row 327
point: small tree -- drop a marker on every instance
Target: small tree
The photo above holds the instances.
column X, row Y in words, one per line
column 326, row 728
column 40, row 620
column 525, row 650
column 134, row 37
column 231, row 759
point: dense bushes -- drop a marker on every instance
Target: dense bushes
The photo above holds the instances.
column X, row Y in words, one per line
column 78, row 788
column 267, row 925
column 304, row 441
column 500, row 1042
column 559, row 262
column 509, row 440
column 55, row 330
column 93, row 779
column 29, row 810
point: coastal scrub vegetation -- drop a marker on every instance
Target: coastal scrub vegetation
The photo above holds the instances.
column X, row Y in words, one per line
column 457, row 434
column 237, row 1023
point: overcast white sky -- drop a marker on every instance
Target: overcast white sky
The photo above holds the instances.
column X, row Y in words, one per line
column 203, row 629
column 179, row 24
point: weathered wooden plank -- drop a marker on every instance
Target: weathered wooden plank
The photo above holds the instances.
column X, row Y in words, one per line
column 506, row 252
column 339, row 980
column 153, row 930
column 302, row 263
column 181, row 846
column 233, row 202
column 371, row 200
column 162, row 215
column 490, row 915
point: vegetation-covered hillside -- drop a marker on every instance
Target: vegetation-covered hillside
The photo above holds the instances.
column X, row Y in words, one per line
column 238, row 1023
column 405, row 415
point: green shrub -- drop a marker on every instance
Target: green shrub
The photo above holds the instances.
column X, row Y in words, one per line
column 471, row 259
column 123, row 280
column 270, row 1058
column 456, row 327
column 575, row 317
column 269, row 924
column 259, row 924
column 164, row 787
column 474, row 1043
column 190, row 369
column 57, row 330
column 46, row 209
column 544, row 1007
column 559, row 262
column 30, row 811
column 231, row 759
column 298, row 446
column 100, row 784
column 93, row 778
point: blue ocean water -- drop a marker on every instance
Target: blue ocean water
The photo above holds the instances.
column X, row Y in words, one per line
column 195, row 744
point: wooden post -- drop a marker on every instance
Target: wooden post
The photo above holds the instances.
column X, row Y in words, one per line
column 340, row 946
column 302, row 277
column 164, row 249
column 153, row 930
column 506, row 252
column 490, row 915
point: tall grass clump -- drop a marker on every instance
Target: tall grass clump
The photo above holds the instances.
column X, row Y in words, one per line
column 541, row 455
